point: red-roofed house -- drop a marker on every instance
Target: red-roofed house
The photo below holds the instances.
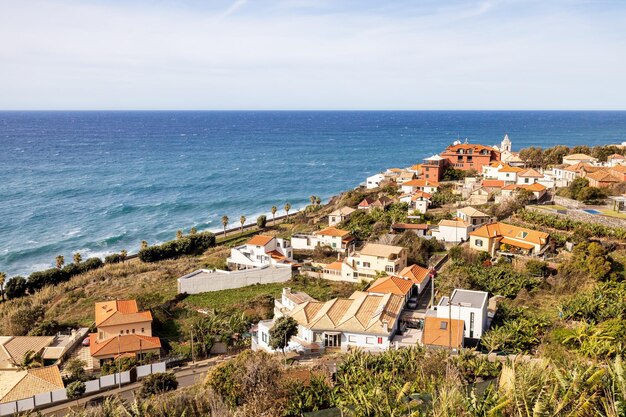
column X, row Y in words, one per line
column 424, row 185
column 466, row 156
column 122, row 330
column 260, row 251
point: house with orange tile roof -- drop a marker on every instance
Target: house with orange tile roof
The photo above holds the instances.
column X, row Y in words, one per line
column 602, row 179
column 20, row 384
column 260, row 251
column 419, row 275
column 495, row 237
column 369, row 203
column 619, row 171
column 427, row 186
column 502, row 172
column 364, row 320
column 122, row 330
column 469, row 156
column 392, row 284
column 337, row 239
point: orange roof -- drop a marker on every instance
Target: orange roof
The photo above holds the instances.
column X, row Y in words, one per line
column 530, row 173
column 420, row 194
column 414, row 226
column 128, row 343
column 509, row 168
column 335, row 265
column 511, row 242
column 578, row 157
column 333, row 231
column 415, row 273
column 421, row 183
column 260, row 240
column 493, row 183
column 619, row 168
column 107, row 309
column 501, row 230
column 276, row 255
column 476, row 147
column 450, row 333
column 530, row 187
column 603, row 176
column 617, row 156
column 416, row 167
column 577, row 167
column 391, row 285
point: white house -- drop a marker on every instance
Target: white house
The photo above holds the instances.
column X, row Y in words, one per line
column 579, row 158
column 260, row 251
column 337, row 239
column 615, row 159
column 364, row 320
column 373, row 259
column 474, row 217
column 417, row 201
column 340, row 215
column 468, row 306
column 374, row 181
column 452, row 230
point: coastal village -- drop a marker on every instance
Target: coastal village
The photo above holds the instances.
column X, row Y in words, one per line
column 471, row 201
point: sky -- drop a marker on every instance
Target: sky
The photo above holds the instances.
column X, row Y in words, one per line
column 312, row 54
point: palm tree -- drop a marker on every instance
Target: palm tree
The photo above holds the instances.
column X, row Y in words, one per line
column 179, row 234
column 242, row 220
column 193, row 231
column 225, row 223
column 274, row 210
column 144, row 244
column 78, row 258
column 318, row 201
column 3, row 277
column 312, row 199
column 60, row 261
column 31, row 360
column 287, row 208
column 123, row 255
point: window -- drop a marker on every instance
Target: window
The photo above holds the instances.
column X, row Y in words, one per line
column 389, row 268
column 121, row 331
column 142, row 330
column 366, row 264
column 443, row 325
column 479, row 243
column 334, row 245
column 380, row 340
column 352, row 339
column 264, row 337
column 370, row 340
column 133, row 331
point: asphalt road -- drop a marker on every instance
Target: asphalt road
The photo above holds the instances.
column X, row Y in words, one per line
column 185, row 377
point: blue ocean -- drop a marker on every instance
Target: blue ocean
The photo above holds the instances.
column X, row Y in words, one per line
column 99, row 182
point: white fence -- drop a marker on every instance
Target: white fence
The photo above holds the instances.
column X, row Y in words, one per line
column 204, row 280
column 93, row 386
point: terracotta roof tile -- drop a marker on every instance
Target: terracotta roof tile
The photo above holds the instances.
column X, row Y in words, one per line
column 435, row 335
column 415, row 273
column 260, row 240
column 128, row 343
column 391, row 285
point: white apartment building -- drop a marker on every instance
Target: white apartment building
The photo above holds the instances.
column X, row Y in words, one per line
column 260, row 251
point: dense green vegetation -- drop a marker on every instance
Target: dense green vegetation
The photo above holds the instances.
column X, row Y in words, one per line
column 580, row 190
column 582, row 230
column 183, row 245
column 366, row 224
column 535, row 156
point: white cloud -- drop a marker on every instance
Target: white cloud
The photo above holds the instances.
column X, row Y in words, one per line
column 485, row 54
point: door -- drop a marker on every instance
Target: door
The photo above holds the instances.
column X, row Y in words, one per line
column 471, row 329
column 332, row 340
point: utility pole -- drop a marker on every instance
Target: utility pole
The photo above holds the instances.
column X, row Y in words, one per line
column 193, row 361
column 119, row 371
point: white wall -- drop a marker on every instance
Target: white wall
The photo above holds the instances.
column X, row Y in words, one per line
column 206, row 281
column 450, row 234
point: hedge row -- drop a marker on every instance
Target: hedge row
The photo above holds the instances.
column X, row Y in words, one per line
column 187, row 245
column 19, row 286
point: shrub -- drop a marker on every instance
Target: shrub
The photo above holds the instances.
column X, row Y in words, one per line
column 75, row 390
column 186, row 245
column 261, row 221
column 158, row 383
column 16, row 287
column 113, row 258
column 535, row 267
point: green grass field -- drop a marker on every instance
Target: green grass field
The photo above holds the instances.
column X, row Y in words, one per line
column 612, row 213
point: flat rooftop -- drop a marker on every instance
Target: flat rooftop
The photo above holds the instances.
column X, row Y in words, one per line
column 466, row 298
